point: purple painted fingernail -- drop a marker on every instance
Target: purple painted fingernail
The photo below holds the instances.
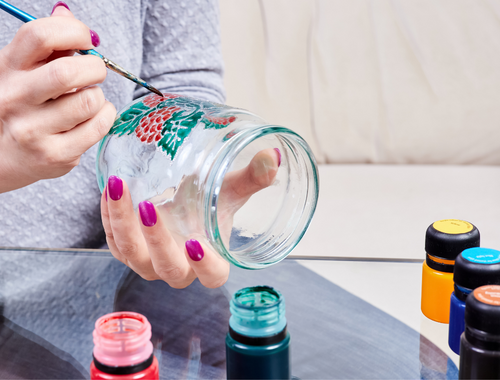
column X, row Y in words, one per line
column 115, row 186
column 194, row 250
column 96, row 41
column 279, row 156
column 148, row 213
column 59, row 4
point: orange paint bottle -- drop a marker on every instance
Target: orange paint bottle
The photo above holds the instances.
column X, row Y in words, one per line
column 444, row 241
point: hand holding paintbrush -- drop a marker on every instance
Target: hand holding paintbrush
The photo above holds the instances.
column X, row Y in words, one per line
column 45, row 128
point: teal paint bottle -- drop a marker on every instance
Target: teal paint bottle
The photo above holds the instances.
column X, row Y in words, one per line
column 258, row 343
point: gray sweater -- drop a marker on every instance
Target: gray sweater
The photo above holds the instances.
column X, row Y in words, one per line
column 174, row 45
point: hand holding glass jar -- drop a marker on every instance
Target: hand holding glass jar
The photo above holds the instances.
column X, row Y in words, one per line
column 210, row 183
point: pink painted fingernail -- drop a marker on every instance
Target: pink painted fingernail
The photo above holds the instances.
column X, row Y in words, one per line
column 279, row 156
column 60, row 4
column 96, row 41
column 148, row 213
column 106, row 193
column 194, row 250
column 115, row 186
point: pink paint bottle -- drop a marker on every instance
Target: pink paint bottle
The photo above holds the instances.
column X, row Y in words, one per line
column 123, row 348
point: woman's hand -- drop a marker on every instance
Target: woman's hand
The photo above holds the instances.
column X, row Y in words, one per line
column 148, row 247
column 50, row 110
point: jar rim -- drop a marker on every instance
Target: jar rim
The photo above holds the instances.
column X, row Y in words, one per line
column 218, row 170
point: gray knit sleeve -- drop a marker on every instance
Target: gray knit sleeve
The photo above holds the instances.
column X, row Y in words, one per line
column 181, row 48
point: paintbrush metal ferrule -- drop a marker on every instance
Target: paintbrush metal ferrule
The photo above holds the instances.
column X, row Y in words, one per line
column 121, row 71
column 124, row 73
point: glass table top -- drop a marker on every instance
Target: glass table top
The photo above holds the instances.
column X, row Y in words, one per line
column 50, row 300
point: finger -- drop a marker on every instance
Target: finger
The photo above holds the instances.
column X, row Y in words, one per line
column 110, row 240
column 60, row 54
column 168, row 260
column 81, row 138
column 37, row 40
column 211, row 269
column 62, row 75
column 260, row 173
column 69, row 110
column 61, row 9
column 126, row 231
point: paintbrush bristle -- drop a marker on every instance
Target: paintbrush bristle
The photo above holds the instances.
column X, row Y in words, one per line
column 151, row 88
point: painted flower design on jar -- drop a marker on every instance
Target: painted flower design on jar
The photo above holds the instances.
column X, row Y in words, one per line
column 167, row 121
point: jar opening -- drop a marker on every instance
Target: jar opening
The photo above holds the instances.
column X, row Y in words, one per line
column 273, row 219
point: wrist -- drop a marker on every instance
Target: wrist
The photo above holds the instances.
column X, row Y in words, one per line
column 11, row 178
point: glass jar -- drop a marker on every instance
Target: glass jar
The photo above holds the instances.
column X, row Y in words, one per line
column 177, row 153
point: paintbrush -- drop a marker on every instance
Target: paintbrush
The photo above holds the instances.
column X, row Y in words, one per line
column 23, row 16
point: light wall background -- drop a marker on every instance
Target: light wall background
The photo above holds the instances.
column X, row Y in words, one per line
column 380, row 81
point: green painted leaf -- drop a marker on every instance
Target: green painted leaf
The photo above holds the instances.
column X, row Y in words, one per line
column 129, row 120
column 211, row 125
column 177, row 129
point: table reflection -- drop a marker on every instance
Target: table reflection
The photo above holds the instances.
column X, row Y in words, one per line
column 51, row 300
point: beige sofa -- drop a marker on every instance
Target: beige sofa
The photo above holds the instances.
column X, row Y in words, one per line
column 400, row 101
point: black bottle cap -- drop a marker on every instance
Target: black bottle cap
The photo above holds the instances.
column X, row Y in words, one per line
column 482, row 310
column 476, row 267
column 447, row 238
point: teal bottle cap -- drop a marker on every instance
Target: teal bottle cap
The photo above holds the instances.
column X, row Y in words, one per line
column 476, row 267
column 482, row 255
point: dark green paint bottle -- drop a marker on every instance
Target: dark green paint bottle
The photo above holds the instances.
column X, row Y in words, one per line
column 258, row 343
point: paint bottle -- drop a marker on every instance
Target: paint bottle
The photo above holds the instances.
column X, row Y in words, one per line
column 474, row 267
column 123, row 348
column 258, row 343
column 480, row 343
column 444, row 240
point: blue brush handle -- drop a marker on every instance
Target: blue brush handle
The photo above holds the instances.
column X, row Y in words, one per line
column 16, row 12
column 25, row 17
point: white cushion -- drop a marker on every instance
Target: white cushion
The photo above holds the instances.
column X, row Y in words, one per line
column 385, row 81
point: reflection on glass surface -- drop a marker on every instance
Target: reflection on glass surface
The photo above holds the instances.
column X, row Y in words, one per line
column 51, row 300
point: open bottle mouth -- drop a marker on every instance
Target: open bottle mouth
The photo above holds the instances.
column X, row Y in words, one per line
column 272, row 221
column 257, row 311
column 122, row 339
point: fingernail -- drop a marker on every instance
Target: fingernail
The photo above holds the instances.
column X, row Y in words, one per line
column 194, row 250
column 115, row 186
column 148, row 213
column 96, row 41
column 279, row 156
column 106, row 193
column 60, row 4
